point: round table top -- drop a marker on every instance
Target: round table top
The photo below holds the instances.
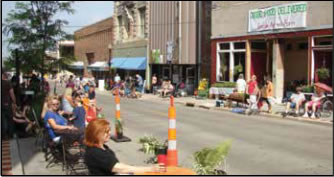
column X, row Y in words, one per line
column 171, row 171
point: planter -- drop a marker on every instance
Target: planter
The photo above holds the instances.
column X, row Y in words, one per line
column 119, row 135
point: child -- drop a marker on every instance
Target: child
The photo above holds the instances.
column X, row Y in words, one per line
column 253, row 100
column 79, row 114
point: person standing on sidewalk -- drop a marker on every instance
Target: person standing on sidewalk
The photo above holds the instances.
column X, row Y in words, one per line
column 8, row 104
column 267, row 94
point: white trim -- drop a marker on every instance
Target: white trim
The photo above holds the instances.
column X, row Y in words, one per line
column 172, row 123
column 118, row 107
column 231, row 51
column 172, row 145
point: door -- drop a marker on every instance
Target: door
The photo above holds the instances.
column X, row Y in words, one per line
column 190, row 80
column 258, row 65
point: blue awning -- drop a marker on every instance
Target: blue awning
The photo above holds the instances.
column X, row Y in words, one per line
column 135, row 63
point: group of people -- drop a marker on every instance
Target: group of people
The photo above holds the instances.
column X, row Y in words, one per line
column 257, row 94
column 165, row 87
column 94, row 133
column 297, row 99
column 131, row 87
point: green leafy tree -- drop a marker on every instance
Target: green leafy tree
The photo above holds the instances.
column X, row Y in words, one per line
column 33, row 29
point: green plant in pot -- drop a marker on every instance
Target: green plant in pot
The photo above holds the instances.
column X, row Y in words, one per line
column 208, row 161
column 152, row 145
column 119, row 128
column 323, row 73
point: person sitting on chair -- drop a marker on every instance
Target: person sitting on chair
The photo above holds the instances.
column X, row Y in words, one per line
column 55, row 123
column 22, row 122
column 100, row 159
column 296, row 100
column 315, row 102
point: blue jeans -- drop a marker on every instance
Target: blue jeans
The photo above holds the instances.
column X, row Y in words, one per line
column 139, row 88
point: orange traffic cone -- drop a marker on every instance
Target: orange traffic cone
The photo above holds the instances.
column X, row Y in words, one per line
column 172, row 151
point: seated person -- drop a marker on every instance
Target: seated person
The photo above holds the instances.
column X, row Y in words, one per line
column 315, row 102
column 167, row 88
column 67, row 102
column 100, row 159
column 295, row 101
column 163, row 87
column 55, row 123
column 79, row 114
column 23, row 124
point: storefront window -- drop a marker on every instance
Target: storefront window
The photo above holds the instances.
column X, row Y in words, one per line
column 239, row 64
column 224, row 46
column 231, row 60
column 239, row 45
column 322, row 59
column 224, row 66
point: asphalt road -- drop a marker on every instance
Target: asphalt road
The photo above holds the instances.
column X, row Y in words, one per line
column 260, row 146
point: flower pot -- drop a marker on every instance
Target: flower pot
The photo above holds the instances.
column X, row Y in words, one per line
column 119, row 135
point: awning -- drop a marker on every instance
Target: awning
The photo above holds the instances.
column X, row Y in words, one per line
column 99, row 66
column 135, row 63
column 77, row 65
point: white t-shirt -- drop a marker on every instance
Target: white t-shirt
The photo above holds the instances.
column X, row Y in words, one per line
column 297, row 97
column 241, row 85
column 117, row 79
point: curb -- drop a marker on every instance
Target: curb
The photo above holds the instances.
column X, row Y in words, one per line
column 261, row 114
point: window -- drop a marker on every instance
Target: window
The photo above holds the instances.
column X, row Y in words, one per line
column 120, row 27
column 231, row 60
column 90, row 58
column 323, row 41
column 239, row 45
column 224, row 46
column 224, row 66
column 142, row 22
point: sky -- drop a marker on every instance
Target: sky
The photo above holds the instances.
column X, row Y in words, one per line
column 86, row 13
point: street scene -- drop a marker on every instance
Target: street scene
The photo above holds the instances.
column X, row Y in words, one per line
column 167, row 88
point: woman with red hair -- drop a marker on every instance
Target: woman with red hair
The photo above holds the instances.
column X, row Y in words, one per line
column 101, row 160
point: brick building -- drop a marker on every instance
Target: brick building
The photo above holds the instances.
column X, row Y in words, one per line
column 93, row 47
column 287, row 40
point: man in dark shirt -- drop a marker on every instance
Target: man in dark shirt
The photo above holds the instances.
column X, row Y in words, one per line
column 8, row 103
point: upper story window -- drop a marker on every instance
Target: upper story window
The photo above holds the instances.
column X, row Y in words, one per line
column 142, row 22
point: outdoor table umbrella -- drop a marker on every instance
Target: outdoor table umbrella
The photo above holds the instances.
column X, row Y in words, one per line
column 324, row 87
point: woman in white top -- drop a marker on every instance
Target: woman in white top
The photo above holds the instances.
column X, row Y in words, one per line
column 67, row 101
column 241, row 84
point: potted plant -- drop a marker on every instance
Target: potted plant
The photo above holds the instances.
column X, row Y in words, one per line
column 323, row 73
column 152, row 146
column 119, row 128
column 208, row 161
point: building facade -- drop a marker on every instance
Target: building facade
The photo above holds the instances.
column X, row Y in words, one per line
column 285, row 40
column 93, row 47
column 179, row 41
column 130, row 34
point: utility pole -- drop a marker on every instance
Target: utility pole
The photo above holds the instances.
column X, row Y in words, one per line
column 17, row 68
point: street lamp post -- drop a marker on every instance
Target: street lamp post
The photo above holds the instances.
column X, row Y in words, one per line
column 109, row 63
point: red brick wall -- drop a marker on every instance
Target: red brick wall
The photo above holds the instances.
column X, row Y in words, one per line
column 94, row 39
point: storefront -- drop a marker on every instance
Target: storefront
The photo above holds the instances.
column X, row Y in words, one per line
column 281, row 47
